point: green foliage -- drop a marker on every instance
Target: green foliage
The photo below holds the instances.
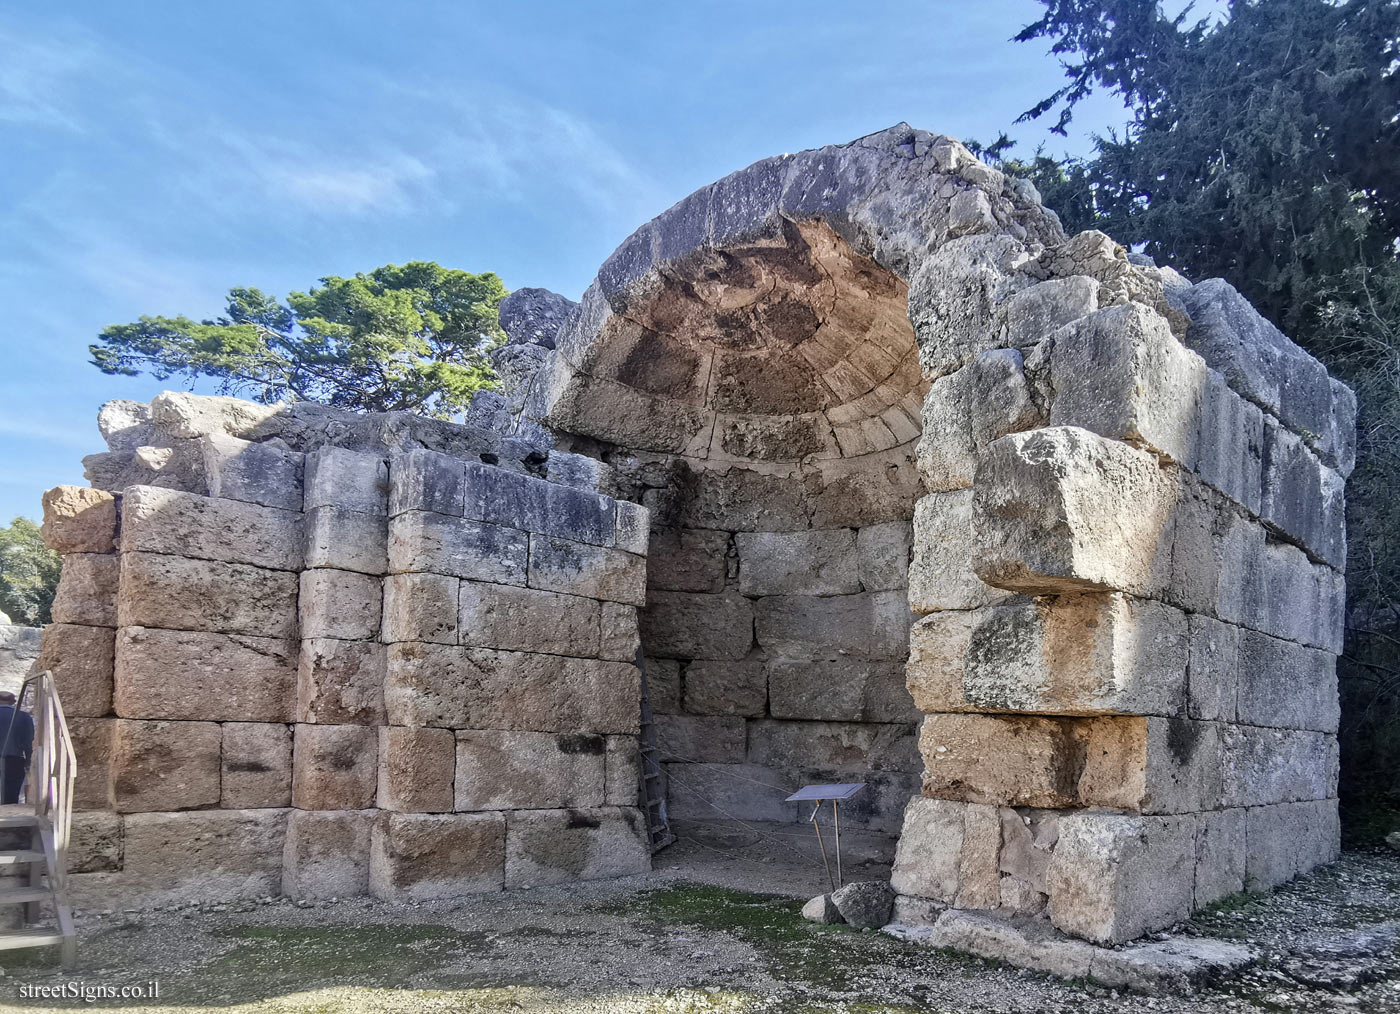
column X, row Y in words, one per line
column 1264, row 148
column 412, row 337
column 28, row 573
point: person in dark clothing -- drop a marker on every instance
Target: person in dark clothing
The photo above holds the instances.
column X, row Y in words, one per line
column 16, row 744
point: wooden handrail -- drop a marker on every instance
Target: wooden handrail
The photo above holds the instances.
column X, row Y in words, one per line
column 52, row 768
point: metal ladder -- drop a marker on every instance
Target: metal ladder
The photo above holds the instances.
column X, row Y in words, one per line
column 653, row 790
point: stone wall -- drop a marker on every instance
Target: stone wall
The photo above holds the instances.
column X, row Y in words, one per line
column 19, row 647
column 324, row 655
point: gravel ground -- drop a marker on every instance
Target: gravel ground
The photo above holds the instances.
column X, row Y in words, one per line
column 671, row 942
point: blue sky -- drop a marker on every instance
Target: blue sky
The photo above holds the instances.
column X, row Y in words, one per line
column 156, row 153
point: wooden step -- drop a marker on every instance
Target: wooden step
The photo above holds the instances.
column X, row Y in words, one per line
column 22, row 895
column 13, row 857
column 13, row 939
column 14, row 815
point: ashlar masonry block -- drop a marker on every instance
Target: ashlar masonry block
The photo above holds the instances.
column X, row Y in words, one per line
column 499, row 770
column 942, row 575
column 422, row 541
column 348, row 480
column 81, row 660
column 258, row 473
column 190, row 676
column 256, row 765
column 554, row 846
column 340, row 604
column 334, row 767
column 347, row 540
column 341, row 682
column 416, row 769
column 527, row 619
column 175, row 593
column 327, row 853
column 421, row 607
column 164, row 765
column 87, row 590
column 948, row 852
column 168, row 521
column 428, row 856
column 595, row 572
column 78, row 519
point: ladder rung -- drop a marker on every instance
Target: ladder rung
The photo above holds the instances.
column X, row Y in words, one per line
column 12, row 939
column 12, row 857
column 20, row 895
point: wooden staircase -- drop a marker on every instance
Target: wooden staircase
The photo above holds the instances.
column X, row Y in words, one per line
column 34, row 834
column 653, row 793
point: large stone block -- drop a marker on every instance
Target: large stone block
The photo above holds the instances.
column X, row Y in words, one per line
column 192, row 676
column 1285, row 684
column 941, row 575
column 428, row 856
column 1261, row 766
column 334, row 767
column 871, row 625
column 835, row 746
column 340, row 604
column 735, row 500
column 257, row 473
column 421, row 607
column 1213, row 669
column 726, row 688
column 594, row 572
column 207, row 528
column 700, row 739
column 729, row 792
column 421, row 480
column 347, row 540
column 664, row 685
column 1220, row 854
column 164, row 765
column 473, row 688
column 421, row 541
column 798, row 563
column 622, row 763
column 633, row 528
column 1290, row 597
column 232, row 598
column 938, row 648
column 528, row 770
column 1302, row 497
column 256, row 766
column 526, row 619
column 839, row 691
column 341, row 682
column 327, row 853
column 556, row 846
column 416, row 768
column 1062, row 510
column 1230, row 447
column 80, row 659
column 93, row 740
column 95, row 844
column 206, row 856
column 78, row 519
column 948, row 851
column 687, row 625
column 345, row 479
column 87, row 590
column 687, row 560
column 1286, row 839
column 882, row 555
column 1114, row 877
column 619, row 635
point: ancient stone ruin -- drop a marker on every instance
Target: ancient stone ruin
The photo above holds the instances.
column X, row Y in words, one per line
column 894, row 482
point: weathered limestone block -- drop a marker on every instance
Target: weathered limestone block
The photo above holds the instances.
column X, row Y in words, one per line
column 948, row 851
column 942, row 575
column 256, row 765
column 522, row 501
column 1042, row 309
column 1290, row 597
column 427, row 856
column 664, row 685
column 179, row 594
column 205, row 856
column 1220, row 854
column 1213, row 669
column 80, row 659
column 347, row 540
column 951, row 299
column 871, row 625
column 93, row 739
column 619, row 635
column 686, row 625
column 836, row 746
column 698, row 739
column 421, row 480
column 192, row 676
column 594, row 572
column 1230, row 446
column 554, row 846
column 78, row 519
column 687, row 560
column 1028, row 840
column 726, row 688
column 1286, row 839
column 340, row 682
column 938, row 648
column 341, row 604
column 164, row 765
column 1113, row 877
column 348, row 480
column 327, row 853
column 1261, row 766
column 256, row 473
column 968, row 409
column 421, row 607
column 882, row 555
column 528, row 770
column 179, row 466
column 526, row 619
column 839, row 691
column 87, row 590
column 206, row 528
column 622, row 763
column 1286, row 685
column 95, row 844
column 728, row 792
column 633, row 528
column 798, row 563
column 1120, row 372
column 736, row 500
column 421, row 541
column 1302, row 497
column 472, row 688
column 334, row 767
column 416, row 768
column 1062, row 509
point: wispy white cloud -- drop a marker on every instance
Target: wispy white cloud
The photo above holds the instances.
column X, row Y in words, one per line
column 38, row 75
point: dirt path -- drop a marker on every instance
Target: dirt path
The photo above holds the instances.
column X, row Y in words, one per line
column 668, row 943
